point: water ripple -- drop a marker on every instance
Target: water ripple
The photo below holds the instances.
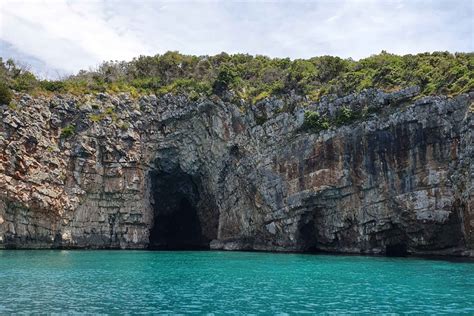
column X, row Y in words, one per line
column 124, row 282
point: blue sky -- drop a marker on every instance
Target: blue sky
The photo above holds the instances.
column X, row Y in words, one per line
column 57, row 37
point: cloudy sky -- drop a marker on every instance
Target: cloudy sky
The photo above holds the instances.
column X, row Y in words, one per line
column 63, row 36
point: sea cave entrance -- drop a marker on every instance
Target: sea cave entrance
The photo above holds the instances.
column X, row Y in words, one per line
column 179, row 211
column 396, row 250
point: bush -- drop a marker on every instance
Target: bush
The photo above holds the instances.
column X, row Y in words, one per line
column 147, row 83
column 68, row 131
column 345, row 116
column 226, row 77
column 25, row 82
column 95, row 117
column 260, row 96
column 190, row 87
column 6, row 94
column 124, row 125
column 53, row 86
column 314, row 121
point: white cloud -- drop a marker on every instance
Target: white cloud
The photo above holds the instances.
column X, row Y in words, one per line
column 66, row 35
column 72, row 34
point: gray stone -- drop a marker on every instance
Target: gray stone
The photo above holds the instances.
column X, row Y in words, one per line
column 203, row 174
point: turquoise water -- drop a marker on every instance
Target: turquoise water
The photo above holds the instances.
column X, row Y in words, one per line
column 229, row 282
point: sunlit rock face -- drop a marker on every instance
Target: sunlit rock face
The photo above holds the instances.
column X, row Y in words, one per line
column 171, row 173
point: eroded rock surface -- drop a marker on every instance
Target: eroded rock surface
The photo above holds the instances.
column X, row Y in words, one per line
column 171, row 173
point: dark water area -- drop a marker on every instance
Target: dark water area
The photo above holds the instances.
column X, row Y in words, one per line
column 186, row 282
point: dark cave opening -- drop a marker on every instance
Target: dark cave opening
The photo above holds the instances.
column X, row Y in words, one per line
column 307, row 234
column 396, row 250
column 176, row 204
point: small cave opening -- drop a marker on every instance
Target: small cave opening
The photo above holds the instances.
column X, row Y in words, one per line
column 396, row 250
column 177, row 206
column 307, row 234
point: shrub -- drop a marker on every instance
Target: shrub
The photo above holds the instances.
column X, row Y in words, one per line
column 153, row 83
column 13, row 106
column 109, row 110
column 314, row 121
column 261, row 96
column 53, row 86
column 68, row 131
column 124, row 125
column 226, row 77
column 95, row 117
column 345, row 116
column 6, row 94
column 25, row 82
column 190, row 87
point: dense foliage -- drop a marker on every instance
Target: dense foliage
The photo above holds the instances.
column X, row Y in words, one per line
column 255, row 77
column 312, row 120
column 345, row 115
column 5, row 94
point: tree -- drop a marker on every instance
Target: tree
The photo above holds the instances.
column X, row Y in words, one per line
column 226, row 77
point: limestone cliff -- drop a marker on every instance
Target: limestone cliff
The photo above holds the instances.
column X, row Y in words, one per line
column 110, row 171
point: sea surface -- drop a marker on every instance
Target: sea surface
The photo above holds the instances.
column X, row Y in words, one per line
column 212, row 282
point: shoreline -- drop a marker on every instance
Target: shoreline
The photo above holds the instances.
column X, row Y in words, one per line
column 434, row 257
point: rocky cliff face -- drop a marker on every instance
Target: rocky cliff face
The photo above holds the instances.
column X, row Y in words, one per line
column 102, row 171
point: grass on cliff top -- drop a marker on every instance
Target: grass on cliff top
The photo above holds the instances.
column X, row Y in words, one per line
column 253, row 78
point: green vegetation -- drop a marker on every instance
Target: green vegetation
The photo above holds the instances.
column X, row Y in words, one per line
column 313, row 121
column 52, row 86
column 345, row 116
column 124, row 125
column 107, row 112
column 13, row 105
column 253, row 78
column 227, row 78
column 96, row 117
column 68, row 131
column 5, row 94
